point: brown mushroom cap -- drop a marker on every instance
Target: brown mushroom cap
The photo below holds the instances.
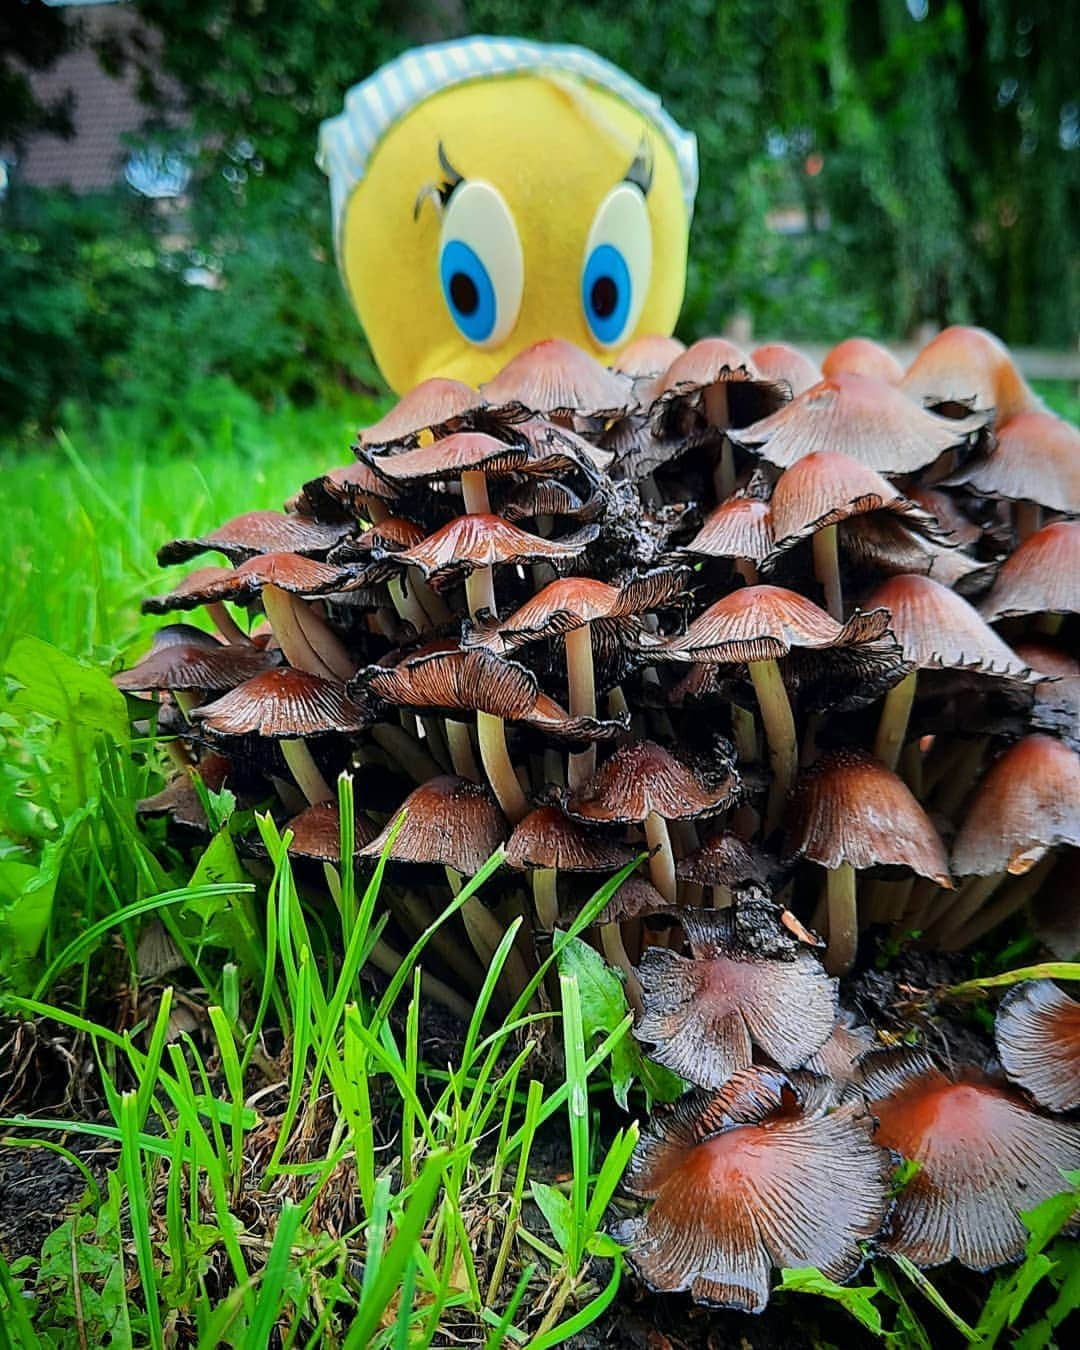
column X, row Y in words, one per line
column 448, row 821
column 258, row 532
column 865, row 419
column 984, row 1158
column 750, row 1178
column 182, row 657
column 548, row 497
column 179, row 800
column 704, row 1017
column 189, row 593
column 548, row 838
column 968, row 368
column 349, row 488
column 827, row 487
column 1037, row 1031
column 939, row 630
column 437, row 405
column 1028, row 802
column 839, row 1057
column 647, row 356
column 316, row 833
column 763, row 623
column 1041, row 577
column 723, row 860
column 635, row 898
column 283, row 703
column 861, row 356
column 641, row 778
column 946, row 512
column 712, row 361
column 472, row 541
column 1036, row 459
column 784, row 365
column 453, row 455
column 287, row 571
column 883, row 543
column 849, row 808
column 558, row 379
column 741, row 527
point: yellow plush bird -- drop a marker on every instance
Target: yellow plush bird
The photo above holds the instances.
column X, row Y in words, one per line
column 489, row 193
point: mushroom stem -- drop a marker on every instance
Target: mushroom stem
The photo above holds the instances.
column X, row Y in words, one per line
column 724, row 473
column 1027, row 518
column 485, row 933
column 384, row 958
column 461, row 751
column 744, row 731
column 779, row 732
column 479, row 586
column 417, row 917
column 966, row 903
column 893, row 724
column 956, row 787
column 306, row 772
column 495, row 757
column 408, row 605
column 432, row 602
column 662, row 861
column 436, row 743
column 615, row 955
column 400, row 746
column 545, row 882
column 1013, row 896
column 323, row 641
column 827, row 570
column 843, row 919
column 185, row 700
column 581, row 677
column 226, row 625
column 281, row 613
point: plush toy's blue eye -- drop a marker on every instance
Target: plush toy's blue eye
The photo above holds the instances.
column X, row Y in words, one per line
column 481, row 266
column 618, row 265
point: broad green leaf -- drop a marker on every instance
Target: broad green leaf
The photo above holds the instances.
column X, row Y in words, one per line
column 858, row 1300
column 556, row 1209
column 62, row 689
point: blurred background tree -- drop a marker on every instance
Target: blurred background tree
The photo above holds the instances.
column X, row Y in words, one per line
column 866, row 166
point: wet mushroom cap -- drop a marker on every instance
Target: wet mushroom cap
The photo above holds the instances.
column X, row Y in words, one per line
column 316, row 833
column 635, row 898
column 188, row 593
column 723, row 860
column 861, row 356
column 1036, row 459
column 448, row 821
column 848, row 807
column 641, row 778
column 462, row 452
column 1028, row 802
column 710, row 360
column 747, row 1179
column 472, row 541
column 1037, row 1032
column 287, row 571
column 839, row 1057
column 784, row 365
column 1041, row 577
column 180, row 801
column 939, row 630
column 547, row 838
column 648, row 355
column 741, row 527
column 283, row 703
column 968, row 368
column 984, row 1158
column 433, row 405
column 554, row 377
column 183, row 657
column 863, row 418
column 703, row 1017
column 258, row 532
column 348, row 488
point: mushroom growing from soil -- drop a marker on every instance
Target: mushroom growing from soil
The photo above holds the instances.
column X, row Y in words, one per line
column 750, row 1178
column 1037, row 1031
column 548, row 842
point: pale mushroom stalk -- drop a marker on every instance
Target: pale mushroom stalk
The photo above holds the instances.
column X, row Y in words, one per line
column 417, row 916
column 1013, row 897
column 744, row 733
column 485, row 933
column 965, row 904
column 436, row 742
column 827, row 570
column 383, row 957
column 461, row 751
column 185, row 700
column 321, row 639
column 479, row 584
column 615, row 954
column 226, row 625
column 408, row 605
column 406, row 750
column 843, row 920
column 779, row 733
column 893, row 724
column 581, row 677
column 953, row 791
column 306, row 772
column 282, row 614
column 545, row 882
column 662, row 860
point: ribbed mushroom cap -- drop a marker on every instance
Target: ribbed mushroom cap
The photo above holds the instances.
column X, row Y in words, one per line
column 827, row 487
column 1028, row 802
column 1036, row 459
column 849, row 808
column 968, row 368
column 984, row 1158
column 763, row 623
column 884, row 544
column 704, row 1017
column 643, row 777
column 839, row 1057
column 784, row 365
column 548, row 497
column 723, row 860
column 548, row 838
column 448, row 821
column 287, row 571
column 316, row 833
column 946, row 512
column 1057, row 699
column 556, row 378
column 182, row 657
column 284, row 703
column 647, row 356
column 572, row 602
column 1041, row 577
column 939, row 630
column 709, row 362
column 349, row 489
column 179, row 800
column 258, row 532
column 866, row 419
column 635, row 898
column 1037, row 1031
column 747, row 1179
column 860, row 356
column 391, row 535
column 437, row 405
column 189, row 593
column 472, row 541
column 741, row 527
column 450, row 457
column 556, row 449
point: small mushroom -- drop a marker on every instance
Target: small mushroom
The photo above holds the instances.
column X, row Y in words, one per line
column 355, row 489
column 1041, row 577
column 739, row 528
column 724, row 861
column 749, row 1178
column 783, row 365
column 985, row 1157
column 838, row 1059
column 316, row 833
column 1037, row 1032
column 966, row 370
column 861, row 356
column 548, row 842
column 559, row 381
column 436, row 407
column 647, row 356
column 258, row 532
column 850, row 812
column 186, row 661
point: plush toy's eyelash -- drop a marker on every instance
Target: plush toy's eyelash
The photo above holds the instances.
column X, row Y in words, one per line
column 640, row 172
column 440, row 193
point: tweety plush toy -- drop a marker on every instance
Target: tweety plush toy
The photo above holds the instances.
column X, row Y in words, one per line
column 489, row 193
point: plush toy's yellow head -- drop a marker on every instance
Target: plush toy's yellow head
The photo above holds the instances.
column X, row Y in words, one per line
column 487, row 194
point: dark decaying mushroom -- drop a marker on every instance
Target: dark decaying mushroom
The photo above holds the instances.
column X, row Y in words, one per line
column 1037, row 1031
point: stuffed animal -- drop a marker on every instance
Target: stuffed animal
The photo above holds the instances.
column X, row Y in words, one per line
column 488, row 193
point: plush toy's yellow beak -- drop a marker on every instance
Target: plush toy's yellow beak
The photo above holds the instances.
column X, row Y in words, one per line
column 503, row 212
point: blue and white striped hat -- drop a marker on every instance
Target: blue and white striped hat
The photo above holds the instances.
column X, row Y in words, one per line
column 346, row 142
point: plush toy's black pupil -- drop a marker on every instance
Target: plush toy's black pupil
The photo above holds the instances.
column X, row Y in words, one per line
column 604, row 297
column 464, row 294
